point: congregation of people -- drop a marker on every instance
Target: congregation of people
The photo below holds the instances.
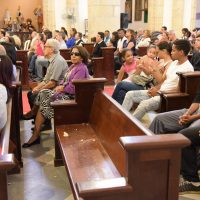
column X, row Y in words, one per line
column 139, row 79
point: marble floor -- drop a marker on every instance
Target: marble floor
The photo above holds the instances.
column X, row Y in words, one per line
column 39, row 179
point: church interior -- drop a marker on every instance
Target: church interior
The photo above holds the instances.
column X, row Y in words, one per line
column 100, row 100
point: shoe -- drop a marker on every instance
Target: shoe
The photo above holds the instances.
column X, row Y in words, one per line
column 26, row 145
column 188, row 187
column 28, row 116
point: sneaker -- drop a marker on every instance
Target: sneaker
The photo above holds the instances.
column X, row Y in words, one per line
column 188, row 187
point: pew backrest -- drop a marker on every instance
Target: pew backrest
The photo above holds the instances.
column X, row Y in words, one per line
column 5, row 133
column 65, row 53
column 111, row 121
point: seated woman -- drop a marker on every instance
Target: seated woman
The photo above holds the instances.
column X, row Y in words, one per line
column 123, row 87
column 145, row 41
column 66, row 90
column 6, row 72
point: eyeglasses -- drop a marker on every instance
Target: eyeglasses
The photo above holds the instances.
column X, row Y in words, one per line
column 75, row 53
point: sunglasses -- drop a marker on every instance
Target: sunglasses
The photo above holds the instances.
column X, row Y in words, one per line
column 75, row 53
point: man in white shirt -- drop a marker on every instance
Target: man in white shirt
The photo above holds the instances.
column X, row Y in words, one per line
column 149, row 101
column 122, row 41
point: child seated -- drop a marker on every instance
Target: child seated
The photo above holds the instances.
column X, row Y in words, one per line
column 129, row 65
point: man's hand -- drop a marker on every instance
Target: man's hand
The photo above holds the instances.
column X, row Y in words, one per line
column 152, row 91
column 35, row 90
column 185, row 119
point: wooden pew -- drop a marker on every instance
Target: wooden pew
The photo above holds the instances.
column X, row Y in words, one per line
column 23, row 58
column 6, row 159
column 15, row 126
column 65, row 53
column 104, row 66
column 188, row 84
column 89, row 46
column 99, row 151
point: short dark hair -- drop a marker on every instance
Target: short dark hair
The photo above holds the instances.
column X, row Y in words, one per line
column 6, row 73
column 83, row 53
column 107, row 31
column 183, row 45
column 101, row 35
column 165, row 45
column 185, row 29
column 121, row 29
column 48, row 34
column 164, row 27
column 123, row 53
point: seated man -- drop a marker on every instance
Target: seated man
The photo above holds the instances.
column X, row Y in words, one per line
column 151, row 101
column 55, row 72
column 186, row 122
column 99, row 43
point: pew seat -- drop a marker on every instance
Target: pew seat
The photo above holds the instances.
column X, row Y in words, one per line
column 110, row 155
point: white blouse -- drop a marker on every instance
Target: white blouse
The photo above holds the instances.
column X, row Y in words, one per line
column 3, row 106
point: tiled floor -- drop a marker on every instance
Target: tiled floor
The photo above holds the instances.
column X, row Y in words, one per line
column 39, row 179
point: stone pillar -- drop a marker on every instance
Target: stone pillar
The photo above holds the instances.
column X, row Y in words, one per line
column 167, row 14
column 49, row 14
column 102, row 15
column 55, row 14
column 78, row 9
column 183, row 15
column 155, row 14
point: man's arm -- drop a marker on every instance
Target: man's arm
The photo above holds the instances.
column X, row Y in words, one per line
column 51, row 84
column 193, row 108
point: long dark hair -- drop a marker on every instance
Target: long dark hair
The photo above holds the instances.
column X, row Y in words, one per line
column 6, row 73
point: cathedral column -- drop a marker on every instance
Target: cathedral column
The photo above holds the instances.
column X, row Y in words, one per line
column 155, row 14
column 103, row 15
column 49, row 14
column 54, row 14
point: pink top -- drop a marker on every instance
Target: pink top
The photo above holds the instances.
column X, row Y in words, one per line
column 129, row 69
column 39, row 49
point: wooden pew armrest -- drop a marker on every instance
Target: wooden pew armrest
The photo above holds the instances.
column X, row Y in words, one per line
column 7, row 162
column 132, row 143
column 102, row 187
column 173, row 95
column 90, row 81
column 97, row 58
column 59, row 103
column 189, row 74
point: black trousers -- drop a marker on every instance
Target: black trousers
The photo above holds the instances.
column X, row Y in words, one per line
column 189, row 167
